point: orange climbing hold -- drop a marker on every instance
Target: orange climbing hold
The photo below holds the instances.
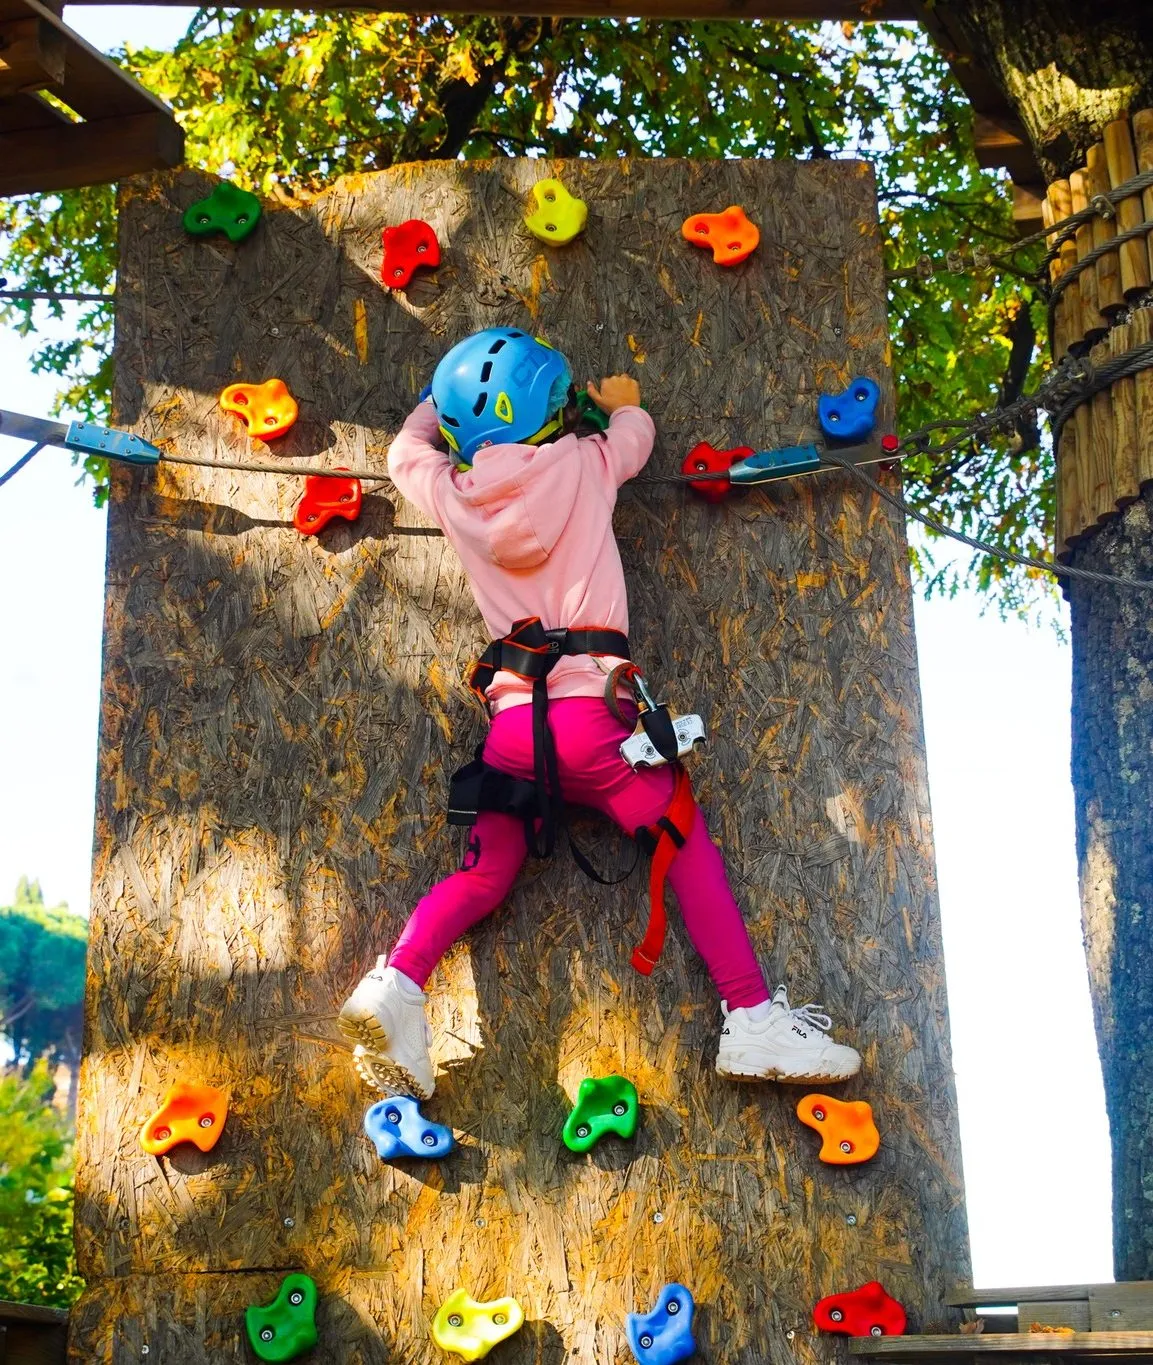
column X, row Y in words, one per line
column 731, row 236
column 325, row 498
column 190, row 1113
column 848, row 1133
column 267, row 409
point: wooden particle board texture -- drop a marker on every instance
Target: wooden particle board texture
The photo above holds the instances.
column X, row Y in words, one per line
column 280, row 716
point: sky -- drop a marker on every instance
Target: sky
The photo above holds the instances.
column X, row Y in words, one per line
column 996, row 705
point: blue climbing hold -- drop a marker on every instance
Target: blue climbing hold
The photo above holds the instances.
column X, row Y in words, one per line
column 665, row 1335
column 766, row 465
column 851, row 415
column 398, row 1129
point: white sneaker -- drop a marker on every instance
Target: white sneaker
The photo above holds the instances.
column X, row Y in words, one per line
column 384, row 1017
column 787, row 1045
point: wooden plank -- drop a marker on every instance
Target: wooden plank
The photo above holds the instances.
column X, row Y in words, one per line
column 1069, row 328
column 1119, row 1345
column 800, row 11
column 31, row 56
column 964, row 1297
column 1141, row 330
column 1002, row 142
column 280, row 715
column 1123, row 399
column 1143, row 139
column 1121, row 1307
column 31, row 1312
column 93, row 86
column 1094, row 324
column 1121, row 160
column 25, row 112
column 1054, row 1313
column 1109, row 297
column 88, row 153
column 32, row 1335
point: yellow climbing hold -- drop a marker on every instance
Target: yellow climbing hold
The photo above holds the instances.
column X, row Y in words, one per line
column 472, row 1329
column 558, row 216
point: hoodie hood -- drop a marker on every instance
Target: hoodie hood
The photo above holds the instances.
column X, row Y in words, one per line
column 517, row 500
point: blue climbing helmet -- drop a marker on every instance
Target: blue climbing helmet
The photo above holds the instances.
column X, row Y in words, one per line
column 499, row 385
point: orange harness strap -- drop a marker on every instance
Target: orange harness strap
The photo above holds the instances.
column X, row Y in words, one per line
column 667, row 838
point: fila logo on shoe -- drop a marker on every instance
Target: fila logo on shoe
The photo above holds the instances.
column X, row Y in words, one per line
column 801, row 1031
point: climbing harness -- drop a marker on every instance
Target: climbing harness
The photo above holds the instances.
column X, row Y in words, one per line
column 530, row 651
column 663, row 841
column 661, row 736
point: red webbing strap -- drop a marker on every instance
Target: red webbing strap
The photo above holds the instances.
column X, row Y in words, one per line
column 678, row 817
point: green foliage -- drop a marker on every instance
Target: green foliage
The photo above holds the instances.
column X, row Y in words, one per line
column 284, row 101
column 37, row 1264
column 42, row 954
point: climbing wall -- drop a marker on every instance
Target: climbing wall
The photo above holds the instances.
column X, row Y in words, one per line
column 280, row 714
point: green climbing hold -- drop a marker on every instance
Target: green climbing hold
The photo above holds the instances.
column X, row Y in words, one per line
column 589, row 413
column 286, row 1327
column 228, row 209
column 605, row 1104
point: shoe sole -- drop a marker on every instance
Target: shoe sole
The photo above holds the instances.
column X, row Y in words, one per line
column 737, row 1073
column 377, row 1069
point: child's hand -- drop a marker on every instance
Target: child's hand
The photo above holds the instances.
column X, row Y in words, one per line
column 616, row 391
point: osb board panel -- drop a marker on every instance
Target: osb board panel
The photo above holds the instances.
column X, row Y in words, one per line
column 280, row 715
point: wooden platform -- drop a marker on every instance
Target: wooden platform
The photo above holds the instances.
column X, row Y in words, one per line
column 111, row 126
column 1007, row 1345
column 31, row 1335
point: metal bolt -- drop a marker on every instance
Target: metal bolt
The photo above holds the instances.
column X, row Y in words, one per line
column 1114, row 1312
column 838, row 330
column 274, row 331
column 790, row 1334
column 658, row 1217
column 144, row 1350
column 480, row 1222
column 290, row 1222
column 851, row 1219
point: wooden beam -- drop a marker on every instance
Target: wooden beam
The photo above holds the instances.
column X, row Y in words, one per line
column 31, row 56
column 1120, row 1345
column 93, row 86
column 800, row 11
column 88, row 153
column 25, row 112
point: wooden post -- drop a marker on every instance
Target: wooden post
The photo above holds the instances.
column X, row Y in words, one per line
column 1122, row 163
column 1109, row 297
column 280, row 715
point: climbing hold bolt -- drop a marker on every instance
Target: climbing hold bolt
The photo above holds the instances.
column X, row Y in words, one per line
column 286, row 1327
column 558, row 216
column 471, row 1329
column 605, row 1104
column 189, row 1113
column 848, row 1133
column 665, row 1335
column 399, row 1129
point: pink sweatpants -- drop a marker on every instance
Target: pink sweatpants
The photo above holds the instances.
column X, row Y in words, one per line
column 592, row 773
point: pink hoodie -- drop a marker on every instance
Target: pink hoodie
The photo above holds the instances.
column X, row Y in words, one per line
column 533, row 526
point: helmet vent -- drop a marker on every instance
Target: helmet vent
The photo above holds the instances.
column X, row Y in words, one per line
column 516, row 334
column 478, row 406
column 486, row 372
column 497, row 346
column 452, row 422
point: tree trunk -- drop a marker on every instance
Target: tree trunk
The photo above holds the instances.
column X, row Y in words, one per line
column 1070, row 69
column 280, row 715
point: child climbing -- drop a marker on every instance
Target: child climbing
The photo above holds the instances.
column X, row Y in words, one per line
column 528, row 508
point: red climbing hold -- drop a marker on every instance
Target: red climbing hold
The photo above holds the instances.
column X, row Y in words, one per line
column 325, row 498
column 406, row 249
column 705, row 459
column 866, row 1312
